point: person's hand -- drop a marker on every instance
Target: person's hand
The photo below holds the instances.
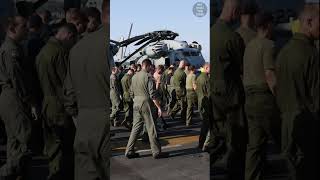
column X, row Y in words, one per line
column 159, row 112
column 34, row 113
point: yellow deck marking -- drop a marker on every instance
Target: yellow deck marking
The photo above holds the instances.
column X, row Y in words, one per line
column 168, row 141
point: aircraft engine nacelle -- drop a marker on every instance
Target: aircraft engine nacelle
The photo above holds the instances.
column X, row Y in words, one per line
column 156, row 51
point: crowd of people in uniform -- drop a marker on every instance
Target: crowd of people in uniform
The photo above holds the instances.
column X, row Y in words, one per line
column 47, row 72
column 152, row 95
column 262, row 93
column 57, row 83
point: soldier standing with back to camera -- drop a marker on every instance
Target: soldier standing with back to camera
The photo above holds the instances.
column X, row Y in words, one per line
column 191, row 94
column 227, row 93
column 115, row 96
column 179, row 86
column 146, row 104
column 259, row 81
column 298, row 77
column 127, row 100
column 90, row 69
column 203, row 91
column 51, row 64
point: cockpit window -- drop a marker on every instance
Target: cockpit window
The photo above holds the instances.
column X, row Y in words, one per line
column 195, row 54
column 186, row 54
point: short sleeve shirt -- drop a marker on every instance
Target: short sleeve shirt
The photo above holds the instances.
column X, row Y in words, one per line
column 258, row 57
column 191, row 79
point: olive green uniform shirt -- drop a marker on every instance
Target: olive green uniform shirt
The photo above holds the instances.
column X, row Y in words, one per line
column 12, row 76
column 115, row 85
column 191, row 79
column 90, row 69
column 227, row 49
column 126, row 83
column 91, row 78
column 179, row 82
column 298, row 76
column 258, row 57
column 51, row 64
column 202, row 83
column 143, row 86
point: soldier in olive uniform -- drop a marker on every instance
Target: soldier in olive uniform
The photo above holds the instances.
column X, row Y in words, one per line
column 227, row 93
column 15, row 100
column 145, row 108
column 127, row 100
column 202, row 84
column 164, row 86
column 179, row 85
column 261, row 109
column 170, row 89
column 191, row 94
column 246, row 30
column 115, row 96
column 90, row 70
column 51, row 64
column 298, row 77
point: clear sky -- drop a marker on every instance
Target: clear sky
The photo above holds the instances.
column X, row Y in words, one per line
column 152, row 15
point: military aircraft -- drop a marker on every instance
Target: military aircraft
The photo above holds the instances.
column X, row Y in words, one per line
column 161, row 48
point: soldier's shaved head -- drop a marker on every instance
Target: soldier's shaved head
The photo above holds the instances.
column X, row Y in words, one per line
column 13, row 22
column 309, row 20
column 78, row 18
column 16, row 27
column 206, row 68
column 206, row 65
column 182, row 64
column 68, row 28
column 130, row 72
column 146, row 62
column 67, row 34
column 114, row 70
column 230, row 10
column 146, row 65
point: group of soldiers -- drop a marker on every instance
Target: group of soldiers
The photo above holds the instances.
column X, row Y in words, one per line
column 259, row 93
column 147, row 91
column 46, row 74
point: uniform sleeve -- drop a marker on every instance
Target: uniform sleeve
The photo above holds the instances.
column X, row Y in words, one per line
column 152, row 88
column 15, row 73
column 268, row 56
column 60, row 64
column 131, row 89
column 182, row 80
column 70, row 102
